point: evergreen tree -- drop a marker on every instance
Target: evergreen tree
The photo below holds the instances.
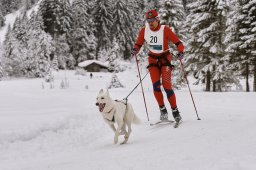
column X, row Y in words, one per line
column 1, row 67
column 28, row 3
column 115, row 82
column 172, row 14
column 40, row 47
column 12, row 57
column 64, row 58
column 123, row 27
column 113, row 57
column 20, row 28
column 103, row 19
column 138, row 8
column 250, row 38
column 207, row 20
column 152, row 4
column 10, row 5
column 31, row 58
column 82, row 38
column 185, row 4
column 1, row 71
column 236, row 52
column 49, row 10
column 64, row 17
column 2, row 18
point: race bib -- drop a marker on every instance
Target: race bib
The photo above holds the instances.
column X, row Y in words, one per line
column 155, row 39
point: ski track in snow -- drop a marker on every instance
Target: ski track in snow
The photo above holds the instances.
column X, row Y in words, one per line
column 62, row 129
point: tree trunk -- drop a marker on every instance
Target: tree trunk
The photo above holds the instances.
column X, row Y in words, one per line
column 214, row 81
column 247, row 77
column 254, row 77
column 208, row 81
column 214, row 86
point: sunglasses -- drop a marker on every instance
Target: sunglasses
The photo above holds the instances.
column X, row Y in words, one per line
column 151, row 20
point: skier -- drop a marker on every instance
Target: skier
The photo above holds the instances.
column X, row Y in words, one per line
column 158, row 36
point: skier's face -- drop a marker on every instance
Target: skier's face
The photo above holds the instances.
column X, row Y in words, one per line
column 153, row 23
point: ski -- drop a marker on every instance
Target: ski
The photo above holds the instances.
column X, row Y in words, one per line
column 161, row 122
column 177, row 124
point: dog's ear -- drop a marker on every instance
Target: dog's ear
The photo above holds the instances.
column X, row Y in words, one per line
column 101, row 91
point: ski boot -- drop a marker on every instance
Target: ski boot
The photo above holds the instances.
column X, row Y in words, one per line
column 176, row 115
column 164, row 113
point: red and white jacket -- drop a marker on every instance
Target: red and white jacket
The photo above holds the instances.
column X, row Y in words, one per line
column 158, row 39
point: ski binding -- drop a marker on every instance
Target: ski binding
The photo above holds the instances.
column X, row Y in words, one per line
column 161, row 121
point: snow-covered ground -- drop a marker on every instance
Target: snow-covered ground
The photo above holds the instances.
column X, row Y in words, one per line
column 61, row 129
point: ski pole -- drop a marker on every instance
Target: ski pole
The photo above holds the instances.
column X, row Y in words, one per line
column 136, row 86
column 141, row 85
column 182, row 67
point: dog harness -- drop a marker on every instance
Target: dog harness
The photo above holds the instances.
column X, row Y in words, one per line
column 113, row 118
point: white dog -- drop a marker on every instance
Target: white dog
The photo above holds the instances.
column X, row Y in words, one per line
column 117, row 112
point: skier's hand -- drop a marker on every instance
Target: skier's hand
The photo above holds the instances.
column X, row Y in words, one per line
column 135, row 51
column 180, row 55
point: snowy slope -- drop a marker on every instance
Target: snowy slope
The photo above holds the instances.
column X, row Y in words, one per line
column 61, row 129
column 10, row 19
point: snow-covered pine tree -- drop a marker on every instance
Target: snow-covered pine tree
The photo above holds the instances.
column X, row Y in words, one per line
column 64, row 58
column 64, row 16
column 57, row 17
column 16, row 48
column 1, row 67
column 10, row 5
column 113, row 57
column 12, row 58
column 115, row 82
column 152, row 4
column 172, row 14
column 207, row 27
column 91, row 45
column 21, row 31
column 122, row 29
column 185, row 4
column 2, row 18
column 250, row 38
column 1, row 71
column 103, row 55
column 138, row 8
column 81, row 36
column 40, row 46
column 103, row 19
column 49, row 9
column 27, row 4
column 236, row 53
column 20, row 28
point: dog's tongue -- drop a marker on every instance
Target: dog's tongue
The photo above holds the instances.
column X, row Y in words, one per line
column 101, row 107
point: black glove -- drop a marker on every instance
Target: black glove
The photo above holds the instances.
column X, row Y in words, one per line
column 135, row 51
column 180, row 55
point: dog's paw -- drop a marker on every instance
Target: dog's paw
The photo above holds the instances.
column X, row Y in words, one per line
column 115, row 140
column 124, row 142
